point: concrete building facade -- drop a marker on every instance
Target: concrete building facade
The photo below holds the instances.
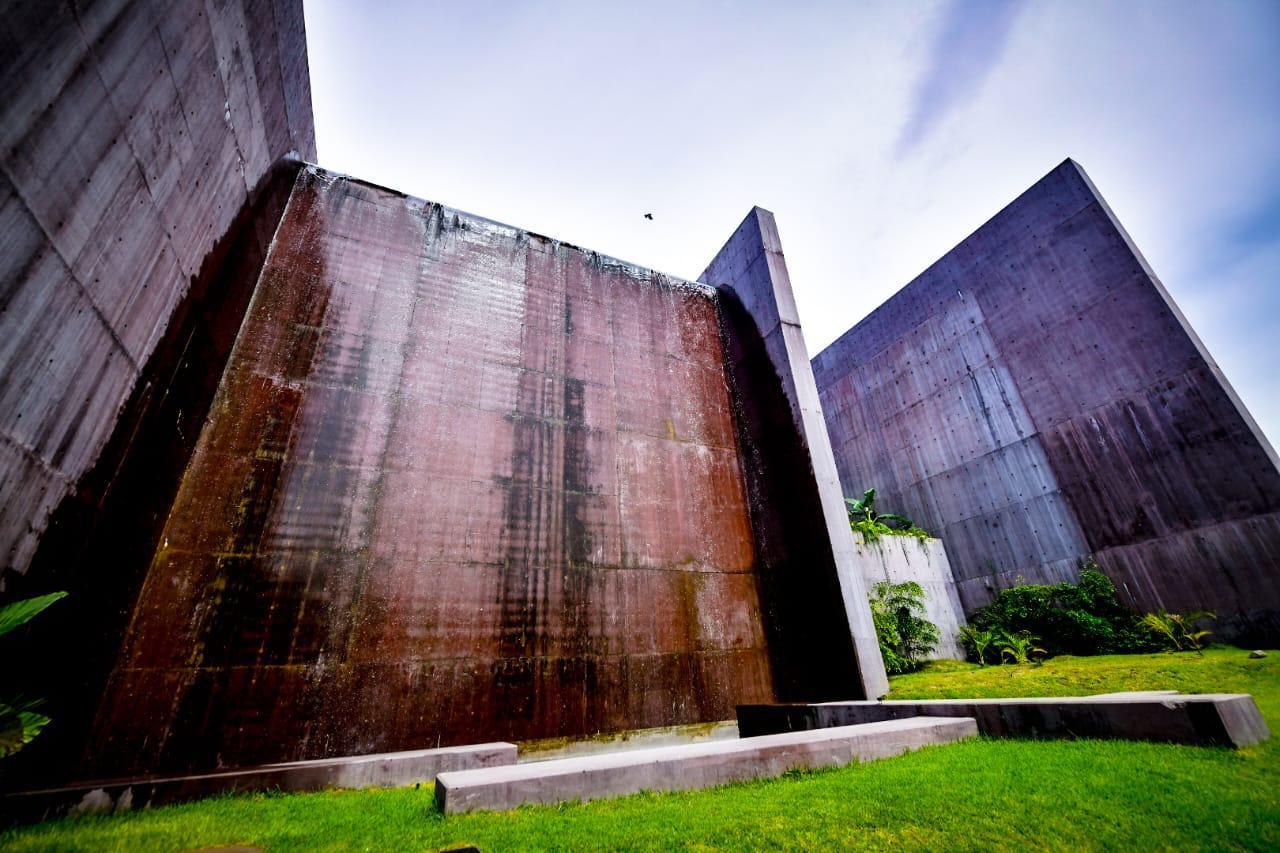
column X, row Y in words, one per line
column 1035, row 396
column 465, row 483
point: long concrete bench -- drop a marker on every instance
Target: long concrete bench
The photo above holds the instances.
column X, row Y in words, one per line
column 688, row 766
column 383, row 770
column 1217, row 719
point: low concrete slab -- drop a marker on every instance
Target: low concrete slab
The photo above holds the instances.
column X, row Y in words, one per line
column 384, row 770
column 688, row 766
column 1218, row 719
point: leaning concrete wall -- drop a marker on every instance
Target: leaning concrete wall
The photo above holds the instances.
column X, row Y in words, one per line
column 1036, row 396
column 460, row 483
column 132, row 135
column 148, row 150
column 899, row 559
column 820, row 629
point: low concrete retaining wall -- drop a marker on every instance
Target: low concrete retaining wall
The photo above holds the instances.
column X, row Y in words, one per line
column 688, row 767
column 385, row 770
column 1212, row 719
column 905, row 558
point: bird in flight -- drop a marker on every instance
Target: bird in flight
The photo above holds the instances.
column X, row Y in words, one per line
column 648, row 216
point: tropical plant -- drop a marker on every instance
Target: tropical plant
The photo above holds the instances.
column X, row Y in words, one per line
column 19, row 721
column 864, row 519
column 905, row 636
column 1020, row 647
column 1177, row 631
column 1082, row 618
column 977, row 641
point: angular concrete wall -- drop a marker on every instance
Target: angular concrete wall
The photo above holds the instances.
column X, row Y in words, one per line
column 821, row 634
column 899, row 559
column 148, row 150
column 1036, row 396
column 460, row 482
column 133, row 134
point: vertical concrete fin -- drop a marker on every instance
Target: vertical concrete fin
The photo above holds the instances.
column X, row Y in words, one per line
column 751, row 273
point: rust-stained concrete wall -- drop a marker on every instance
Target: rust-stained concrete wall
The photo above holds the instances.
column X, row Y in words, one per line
column 1036, row 396
column 460, row 483
column 147, row 151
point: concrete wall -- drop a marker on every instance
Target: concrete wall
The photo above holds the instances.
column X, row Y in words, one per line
column 899, row 559
column 820, row 630
column 132, row 135
column 460, row 483
column 1035, row 396
column 148, row 149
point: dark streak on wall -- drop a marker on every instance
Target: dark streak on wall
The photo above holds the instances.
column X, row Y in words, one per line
column 1036, row 396
column 459, row 483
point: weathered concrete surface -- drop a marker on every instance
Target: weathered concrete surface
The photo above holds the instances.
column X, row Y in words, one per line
column 1036, row 396
column 1211, row 719
column 460, row 483
column 688, row 767
column 148, row 150
column 820, row 630
column 388, row 770
column 549, row 748
column 132, row 135
column 899, row 559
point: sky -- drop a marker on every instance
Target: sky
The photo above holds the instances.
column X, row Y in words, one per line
column 879, row 134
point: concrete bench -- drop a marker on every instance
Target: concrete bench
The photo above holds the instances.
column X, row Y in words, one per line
column 1215, row 719
column 383, row 770
column 688, row 766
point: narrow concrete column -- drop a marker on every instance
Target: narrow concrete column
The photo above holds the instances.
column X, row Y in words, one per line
column 799, row 512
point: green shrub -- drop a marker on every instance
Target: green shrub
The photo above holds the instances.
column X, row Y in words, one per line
column 1083, row 618
column 1020, row 648
column 19, row 721
column 871, row 525
column 905, row 636
column 978, row 643
column 1177, row 632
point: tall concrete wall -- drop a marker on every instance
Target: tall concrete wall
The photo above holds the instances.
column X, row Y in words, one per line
column 1036, row 396
column 820, row 626
column 148, row 149
column 460, row 483
column 132, row 135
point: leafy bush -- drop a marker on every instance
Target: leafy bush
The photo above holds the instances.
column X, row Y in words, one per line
column 1083, row 618
column 1177, row 632
column 864, row 520
column 1021, row 648
column 19, row 722
column 977, row 641
column 905, row 636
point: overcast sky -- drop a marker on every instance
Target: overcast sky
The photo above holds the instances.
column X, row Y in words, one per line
column 879, row 134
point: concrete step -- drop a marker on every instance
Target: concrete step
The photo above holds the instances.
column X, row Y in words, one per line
column 1209, row 719
column 688, row 766
column 382, row 770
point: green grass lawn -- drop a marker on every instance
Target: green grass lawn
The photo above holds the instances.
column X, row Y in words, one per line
column 979, row 794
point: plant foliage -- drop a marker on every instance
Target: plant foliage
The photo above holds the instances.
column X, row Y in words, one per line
column 1020, row 648
column 978, row 642
column 864, row 520
column 1083, row 618
column 905, row 636
column 1177, row 632
column 19, row 721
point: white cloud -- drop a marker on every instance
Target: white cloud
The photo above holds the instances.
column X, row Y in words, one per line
column 574, row 119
